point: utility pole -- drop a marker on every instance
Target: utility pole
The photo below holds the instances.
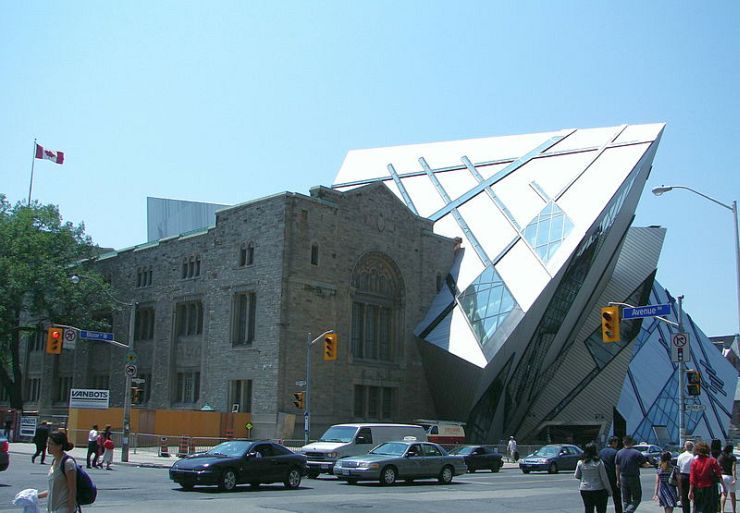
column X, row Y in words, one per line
column 307, row 398
column 682, row 380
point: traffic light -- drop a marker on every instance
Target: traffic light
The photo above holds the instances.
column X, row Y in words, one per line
column 299, row 400
column 330, row 346
column 54, row 340
column 693, row 380
column 610, row 324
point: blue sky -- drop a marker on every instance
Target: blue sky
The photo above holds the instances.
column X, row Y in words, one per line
column 228, row 101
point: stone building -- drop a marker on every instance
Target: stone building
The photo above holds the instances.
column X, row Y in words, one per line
column 224, row 314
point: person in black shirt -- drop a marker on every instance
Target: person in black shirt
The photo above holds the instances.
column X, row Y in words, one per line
column 39, row 438
column 728, row 463
column 607, row 455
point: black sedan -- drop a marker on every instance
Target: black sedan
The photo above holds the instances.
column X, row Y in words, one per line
column 651, row 452
column 480, row 457
column 4, row 457
column 240, row 461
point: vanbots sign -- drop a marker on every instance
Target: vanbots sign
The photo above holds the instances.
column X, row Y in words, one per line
column 86, row 398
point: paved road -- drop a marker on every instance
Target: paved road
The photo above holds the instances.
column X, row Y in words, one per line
column 150, row 489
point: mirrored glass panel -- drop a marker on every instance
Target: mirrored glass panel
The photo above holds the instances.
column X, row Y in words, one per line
column 546, row 231
column 486, row 303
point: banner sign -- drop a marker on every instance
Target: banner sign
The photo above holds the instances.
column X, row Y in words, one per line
column 28, row 426
column 87, row 398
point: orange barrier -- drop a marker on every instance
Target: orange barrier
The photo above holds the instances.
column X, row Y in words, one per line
column 182, row 449
column 164, row 449
column 191, row 445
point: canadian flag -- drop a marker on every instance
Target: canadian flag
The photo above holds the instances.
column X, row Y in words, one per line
column 54, row 156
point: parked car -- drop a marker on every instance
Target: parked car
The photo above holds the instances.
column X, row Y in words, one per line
column 407, row 460
column 240, row 461
column 4, row 456
column 651, row 452
column 480, row 457
column 552, row 458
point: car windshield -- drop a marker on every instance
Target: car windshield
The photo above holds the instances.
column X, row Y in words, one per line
column 390, row 449
column 641, row 448
column 233, row 448
column 547, row 451
column 344, row 434
column 464, row 451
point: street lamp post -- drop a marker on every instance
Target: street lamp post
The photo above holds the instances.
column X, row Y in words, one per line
column 127, row 390
column 732, row 208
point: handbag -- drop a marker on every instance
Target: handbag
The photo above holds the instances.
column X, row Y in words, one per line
column 673, row 478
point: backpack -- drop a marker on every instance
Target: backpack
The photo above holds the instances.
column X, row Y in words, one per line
column 86, row 490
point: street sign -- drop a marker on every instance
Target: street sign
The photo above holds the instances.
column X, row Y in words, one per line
column 95, row 335
column 680, row 351
column 695, row 407
column 640, row 312
column 70, row 338
column 130, row 370
column 131, row 357
column 300, row 383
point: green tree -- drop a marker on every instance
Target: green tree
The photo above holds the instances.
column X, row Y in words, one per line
column 38, row 254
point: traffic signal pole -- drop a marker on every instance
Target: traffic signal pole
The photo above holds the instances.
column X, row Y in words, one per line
column 682, row 381
column 307, row 398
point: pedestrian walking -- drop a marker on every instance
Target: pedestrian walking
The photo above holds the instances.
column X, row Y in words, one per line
column 607, row 455
column 594, row 484
column 666, row 483
column 684, row 467
column 8, row 429
column 40, row 437
column 628, row 462
column 513, row 450
column 704, row 475
column 728, row 463
column 108, row 454
column 92, row 445
column 62, row 490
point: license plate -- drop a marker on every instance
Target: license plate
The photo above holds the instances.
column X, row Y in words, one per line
column 324, row 466
column 345, row 472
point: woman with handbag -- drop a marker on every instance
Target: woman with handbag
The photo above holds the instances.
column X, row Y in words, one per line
column 705, row 473
column 666, row 481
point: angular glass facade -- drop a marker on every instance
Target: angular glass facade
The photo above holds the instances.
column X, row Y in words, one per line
column 486, row 303
column 547, row 231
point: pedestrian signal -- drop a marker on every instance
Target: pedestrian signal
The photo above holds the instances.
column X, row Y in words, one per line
column 693, row 380
column 610, row 324
column 54, row 340
column 331, row 341
column 299, row 400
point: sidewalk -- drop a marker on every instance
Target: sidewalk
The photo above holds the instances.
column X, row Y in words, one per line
column 140, row 458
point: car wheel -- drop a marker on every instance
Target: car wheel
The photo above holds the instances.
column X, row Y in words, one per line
column 352, row 481
column 553, row 469
column 472, row 470
column 445, row 477
column 313, row 474
column 292, row 479
column 187, row 486
column 227, row 481
column 388, row 476
column 495, row 468
column 525, row 471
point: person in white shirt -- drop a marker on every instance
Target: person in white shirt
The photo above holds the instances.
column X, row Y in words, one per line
column 684, row 466
column 512, row 449
column 92, row 446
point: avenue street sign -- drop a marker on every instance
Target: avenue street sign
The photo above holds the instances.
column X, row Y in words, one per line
column 695, row 407
column 640, row 312
column 95, row 335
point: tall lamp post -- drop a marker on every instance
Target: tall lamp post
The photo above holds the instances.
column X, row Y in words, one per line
column 127, row 390
column 732, row 208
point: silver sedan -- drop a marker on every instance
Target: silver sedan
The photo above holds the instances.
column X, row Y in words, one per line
column 406, row 460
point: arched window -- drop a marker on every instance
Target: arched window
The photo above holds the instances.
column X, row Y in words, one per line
column 377, row 307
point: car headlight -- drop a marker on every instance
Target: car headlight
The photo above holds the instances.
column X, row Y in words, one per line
column 332, row 455
column 367, row 465
column 201, row 467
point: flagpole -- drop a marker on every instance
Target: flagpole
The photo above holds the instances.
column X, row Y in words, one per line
column 33, row 160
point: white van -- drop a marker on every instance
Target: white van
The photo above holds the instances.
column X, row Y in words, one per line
column 343, row 440
column 444, row 432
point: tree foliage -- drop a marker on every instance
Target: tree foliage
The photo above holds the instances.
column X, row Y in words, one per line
column 38, row 254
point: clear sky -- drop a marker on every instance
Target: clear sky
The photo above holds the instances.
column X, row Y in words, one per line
column 224, row 102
